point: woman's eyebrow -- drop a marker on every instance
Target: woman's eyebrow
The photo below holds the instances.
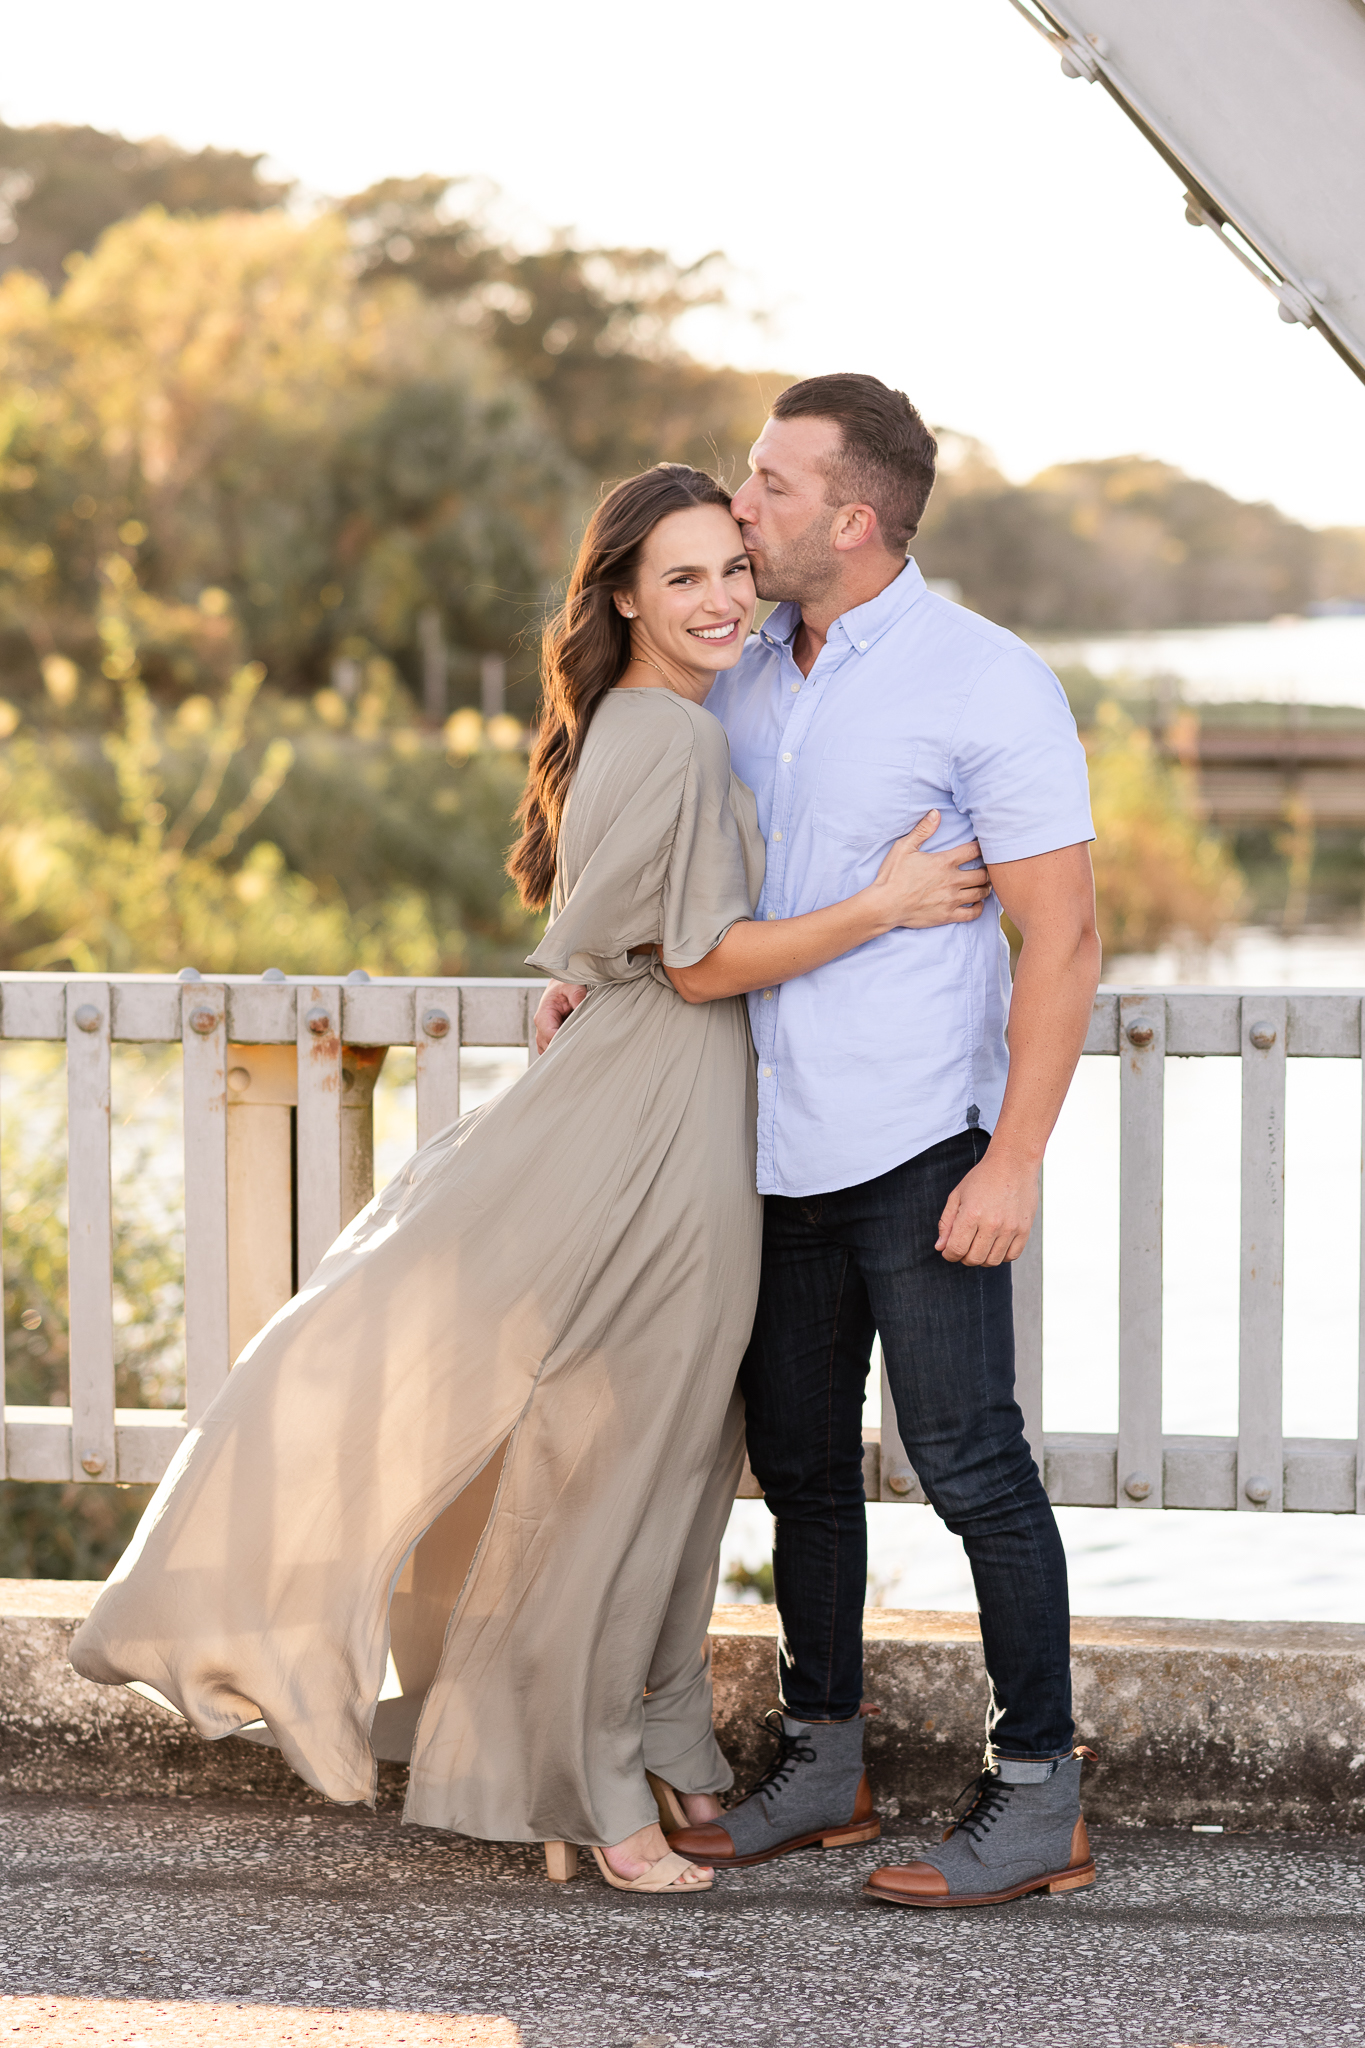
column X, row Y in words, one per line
column 697, row 568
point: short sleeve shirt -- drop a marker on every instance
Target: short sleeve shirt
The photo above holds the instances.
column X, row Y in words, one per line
column 913, row 704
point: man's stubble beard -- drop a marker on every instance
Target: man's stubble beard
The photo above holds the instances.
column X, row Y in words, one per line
column 803, row 571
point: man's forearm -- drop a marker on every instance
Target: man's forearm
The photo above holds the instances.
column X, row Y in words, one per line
column 1051, row 898
column 1050, row 1009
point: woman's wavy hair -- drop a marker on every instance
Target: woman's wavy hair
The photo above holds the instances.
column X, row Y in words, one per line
column 586, row 647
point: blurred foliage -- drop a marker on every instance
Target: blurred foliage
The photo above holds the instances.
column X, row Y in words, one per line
column 1123, row 544
column 1159, row 871
column 60, row 188
column 246, row 831
column 66, row 1532
column 224, row 403
column 752, row 1582
column 590, row 331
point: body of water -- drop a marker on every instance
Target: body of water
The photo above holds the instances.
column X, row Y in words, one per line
column 1308, row 661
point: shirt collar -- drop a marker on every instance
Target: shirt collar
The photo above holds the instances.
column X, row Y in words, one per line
column 780, row 625
column 864, row 626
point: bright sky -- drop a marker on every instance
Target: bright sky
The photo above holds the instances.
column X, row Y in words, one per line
column 906, row 186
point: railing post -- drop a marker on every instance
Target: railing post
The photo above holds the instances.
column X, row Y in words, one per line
column 897, row 1477
column 436, row 1030
column 318, row 1185
column 1027, row 1280
column 359, row 1072
column 1142, row 1096
column 204, row 1038
column 1260, row 1411
column 263, row 1093
column 90, row 1234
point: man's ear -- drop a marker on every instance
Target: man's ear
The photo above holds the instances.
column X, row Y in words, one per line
column 854, row 527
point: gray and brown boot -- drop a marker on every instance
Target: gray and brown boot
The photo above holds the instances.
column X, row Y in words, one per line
column 1012, row 1839
column 814, row 1791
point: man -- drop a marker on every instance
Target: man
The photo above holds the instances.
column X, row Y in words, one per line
column 899, row 1145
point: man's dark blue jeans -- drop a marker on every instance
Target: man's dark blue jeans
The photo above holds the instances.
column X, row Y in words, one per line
column 838, row 1269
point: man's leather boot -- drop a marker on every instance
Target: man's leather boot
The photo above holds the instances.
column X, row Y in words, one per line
column 815, row 1790
column 1012, row 1839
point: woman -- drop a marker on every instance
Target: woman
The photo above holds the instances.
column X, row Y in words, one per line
column 501, row 1415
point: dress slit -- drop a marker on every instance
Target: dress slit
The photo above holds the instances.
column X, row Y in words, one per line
column 422, row 1602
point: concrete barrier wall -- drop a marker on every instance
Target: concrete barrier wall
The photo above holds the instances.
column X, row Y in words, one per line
column 1251, row 1724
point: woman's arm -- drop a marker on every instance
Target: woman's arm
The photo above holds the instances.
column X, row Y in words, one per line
column 912, row 889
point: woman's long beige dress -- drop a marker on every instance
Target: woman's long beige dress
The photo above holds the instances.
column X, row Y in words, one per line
column 527, row 1343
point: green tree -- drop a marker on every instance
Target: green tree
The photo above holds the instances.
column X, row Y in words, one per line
column 1123, row 543
column 591, row 331
column 1159, row 872
column 223, row 401
column 61, row 187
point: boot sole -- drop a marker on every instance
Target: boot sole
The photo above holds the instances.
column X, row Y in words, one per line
column 824, row 1838
column 1073, row 1880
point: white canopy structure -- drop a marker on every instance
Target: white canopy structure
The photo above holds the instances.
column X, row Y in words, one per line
column 1259, row 107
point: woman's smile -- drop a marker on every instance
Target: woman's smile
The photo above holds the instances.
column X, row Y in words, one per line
column 716, row 636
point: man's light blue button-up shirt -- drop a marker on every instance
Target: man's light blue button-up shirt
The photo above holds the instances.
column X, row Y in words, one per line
column 912, row 704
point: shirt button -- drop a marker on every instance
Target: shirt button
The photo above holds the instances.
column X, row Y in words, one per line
column 772, row 917
column 786, row 757
column 767, row 995
column 767, row 1073
column 862, row 643
column 777, row 835
column 795, row 688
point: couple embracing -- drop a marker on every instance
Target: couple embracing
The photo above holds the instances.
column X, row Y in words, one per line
column 492, row 1444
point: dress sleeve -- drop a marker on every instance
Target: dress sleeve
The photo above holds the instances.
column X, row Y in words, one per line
column 706, row 887
column 666, row 866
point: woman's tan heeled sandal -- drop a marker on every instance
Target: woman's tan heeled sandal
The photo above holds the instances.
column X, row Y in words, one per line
column 561, row 1861
column 672, row 1812
column 669, row 1874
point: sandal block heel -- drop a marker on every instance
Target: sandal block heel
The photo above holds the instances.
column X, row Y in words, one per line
column 561, row 1861
column 672, row 1812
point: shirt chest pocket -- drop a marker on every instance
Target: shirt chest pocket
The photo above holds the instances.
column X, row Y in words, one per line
column 862, row 803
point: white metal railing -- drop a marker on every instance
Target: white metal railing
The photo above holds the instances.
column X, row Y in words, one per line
column 1259, row 1470
column 278, row 1084
column 279, row 1155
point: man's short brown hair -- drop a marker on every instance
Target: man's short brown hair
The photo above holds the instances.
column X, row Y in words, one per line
column 888, row 454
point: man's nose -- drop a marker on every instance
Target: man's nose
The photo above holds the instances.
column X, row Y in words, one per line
column 739, row 504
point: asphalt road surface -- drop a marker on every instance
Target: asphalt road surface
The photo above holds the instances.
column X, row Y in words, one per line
column 181, row 1921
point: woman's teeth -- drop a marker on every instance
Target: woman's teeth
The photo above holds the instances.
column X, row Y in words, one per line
column 713, row 632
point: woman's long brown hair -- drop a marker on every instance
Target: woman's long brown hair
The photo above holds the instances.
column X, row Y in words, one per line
column 585, row 650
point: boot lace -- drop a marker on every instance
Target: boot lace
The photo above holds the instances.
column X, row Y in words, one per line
column 988, row 1799
column 791, row 1750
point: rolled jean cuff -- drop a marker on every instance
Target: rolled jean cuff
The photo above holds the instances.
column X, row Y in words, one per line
column 1024, row 1770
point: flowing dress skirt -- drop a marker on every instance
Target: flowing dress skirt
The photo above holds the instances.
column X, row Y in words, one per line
column 525, row 1352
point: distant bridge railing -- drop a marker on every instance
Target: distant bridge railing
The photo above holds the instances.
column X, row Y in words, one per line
column 279, row 1078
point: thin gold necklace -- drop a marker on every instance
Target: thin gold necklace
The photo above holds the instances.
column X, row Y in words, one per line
column 645, row 662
